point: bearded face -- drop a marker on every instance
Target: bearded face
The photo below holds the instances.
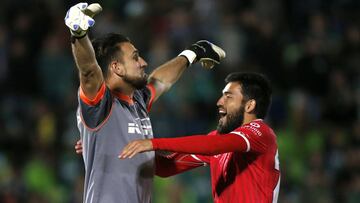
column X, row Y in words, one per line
column 138, row 82
column 231, row 107
column 229, row 121
column 133, row 66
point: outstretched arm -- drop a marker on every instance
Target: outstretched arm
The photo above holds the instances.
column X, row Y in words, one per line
column 247, row 138
column 163, row 77
column 79, row 20
column 90, row 73
column 166, row 75
column 169, row 164
column 197, row 144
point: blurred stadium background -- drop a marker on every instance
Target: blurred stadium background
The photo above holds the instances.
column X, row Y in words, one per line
column 310, row 50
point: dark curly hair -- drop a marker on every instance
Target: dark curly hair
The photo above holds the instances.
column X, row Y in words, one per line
column 254, row 86
column 106, row 49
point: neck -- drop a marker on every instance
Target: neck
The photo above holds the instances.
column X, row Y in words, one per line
column 248, row 118
column 119, row 86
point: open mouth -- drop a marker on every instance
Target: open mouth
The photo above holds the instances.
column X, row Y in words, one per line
column 222, row 113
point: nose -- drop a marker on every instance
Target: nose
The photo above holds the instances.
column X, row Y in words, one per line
column 143, row 62
column 220, row 102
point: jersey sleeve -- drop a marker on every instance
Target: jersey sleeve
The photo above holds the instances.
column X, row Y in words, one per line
column 255, row 135
column 211, row 144
column 95, row 111
column 244, row 139
column 175, row 163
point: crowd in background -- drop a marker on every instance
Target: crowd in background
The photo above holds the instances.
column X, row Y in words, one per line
column 309, row 49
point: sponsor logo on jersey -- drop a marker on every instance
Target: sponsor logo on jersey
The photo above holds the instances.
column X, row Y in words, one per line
column 253, row 127
column 134, row 128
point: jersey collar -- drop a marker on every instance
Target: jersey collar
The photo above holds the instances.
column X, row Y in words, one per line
column 124, row 97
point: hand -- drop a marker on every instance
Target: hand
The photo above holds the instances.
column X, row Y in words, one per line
column 135, row 147
column 206, row 52
column 79, row 18
column 78, row 147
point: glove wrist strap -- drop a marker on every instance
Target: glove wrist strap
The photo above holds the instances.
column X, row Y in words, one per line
column 74, row 38
column 189, row 55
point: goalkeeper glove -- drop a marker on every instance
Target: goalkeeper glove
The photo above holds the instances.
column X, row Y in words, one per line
column 79, row 18
column 204, row 51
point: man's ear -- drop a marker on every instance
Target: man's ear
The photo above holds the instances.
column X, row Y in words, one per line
column 117, row 68
column 250, row 106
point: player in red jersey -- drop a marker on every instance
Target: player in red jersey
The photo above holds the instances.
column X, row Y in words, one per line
column 242, row 151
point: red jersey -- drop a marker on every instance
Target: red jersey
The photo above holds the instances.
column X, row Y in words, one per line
column 244, row 163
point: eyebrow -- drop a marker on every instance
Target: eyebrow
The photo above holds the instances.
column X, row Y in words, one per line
column 135, row 52
column 227, row 92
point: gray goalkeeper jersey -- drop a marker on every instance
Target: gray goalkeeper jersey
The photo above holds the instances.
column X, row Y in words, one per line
column 106, row 125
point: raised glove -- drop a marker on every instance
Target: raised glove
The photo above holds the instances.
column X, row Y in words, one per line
column 204, row 51
column 79, row 18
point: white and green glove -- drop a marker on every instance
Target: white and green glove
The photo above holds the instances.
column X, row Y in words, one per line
column 79, row 18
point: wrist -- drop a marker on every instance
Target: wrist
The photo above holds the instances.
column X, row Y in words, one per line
column 73, row 38
column 79, row 33
column 189, row 55
column 153, row 143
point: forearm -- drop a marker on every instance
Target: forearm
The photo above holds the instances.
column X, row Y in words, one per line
column 84, row 55
column 200, row 144
column 170, row 72
column 90, row 73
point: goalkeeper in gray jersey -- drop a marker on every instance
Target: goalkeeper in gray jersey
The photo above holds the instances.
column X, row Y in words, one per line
column 115, row 97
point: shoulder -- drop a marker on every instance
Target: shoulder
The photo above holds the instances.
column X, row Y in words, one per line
column 103, row 92
column 257, row 127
